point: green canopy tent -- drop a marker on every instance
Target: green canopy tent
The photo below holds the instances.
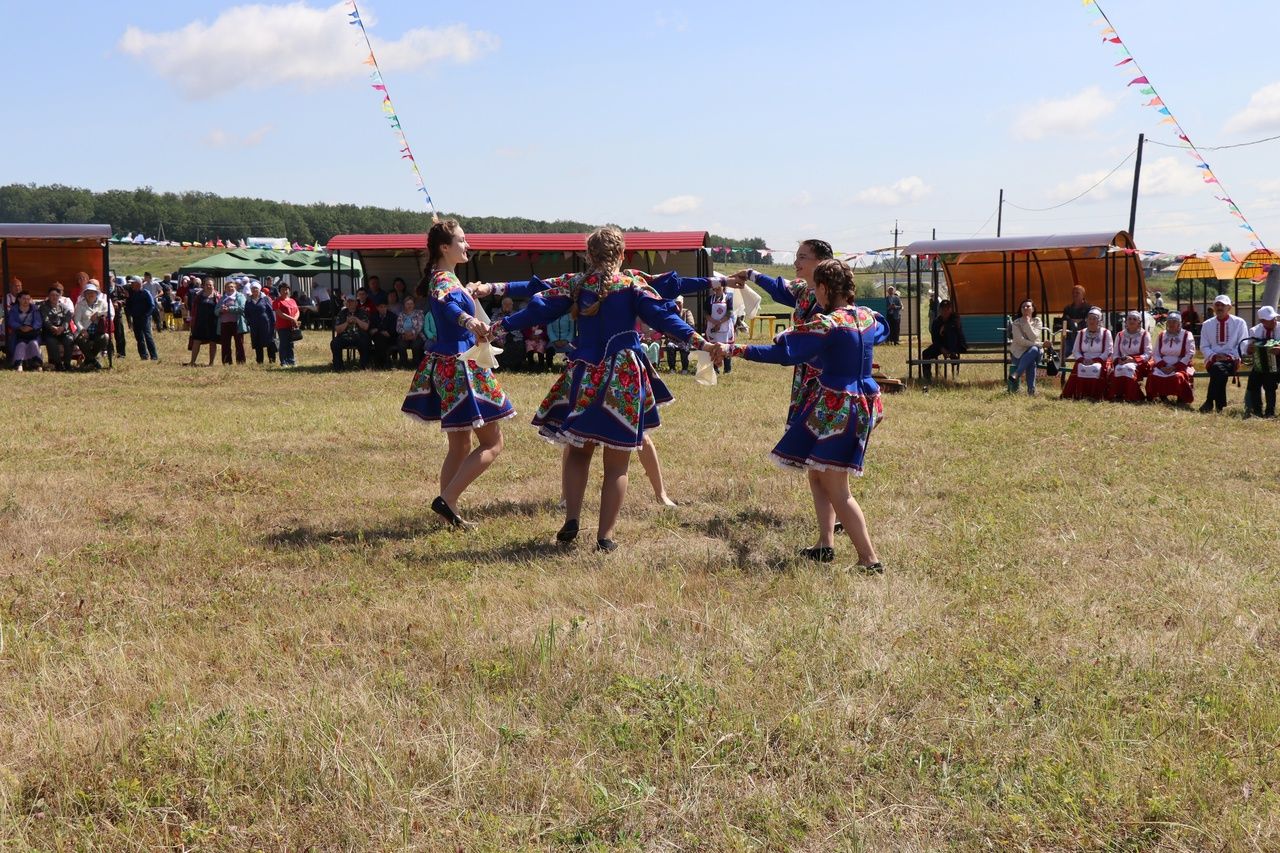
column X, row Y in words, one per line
column 260, row 262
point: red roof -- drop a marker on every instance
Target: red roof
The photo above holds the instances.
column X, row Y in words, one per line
column 637, row 241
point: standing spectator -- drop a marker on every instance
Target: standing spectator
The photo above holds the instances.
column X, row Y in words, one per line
column 382, row 335
column 1220, row 340
column 139, row 307
column 150, row 285
column 204, row 320
column 720, row 319
column 260, row 317
column 24, row 324
column 893, row 313
column 1024, row 347
column 91, row 325
column 231, row 323
column 675, row 345
column 57, row 315
column 288, row 325
column 351, row 329
column 116, row 296
column 1074, row 318
column 946, row 339
column 1261, row 380
column 409, row 339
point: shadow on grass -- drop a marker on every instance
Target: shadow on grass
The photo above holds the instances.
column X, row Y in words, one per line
column 310, row 537
column 518, row 552
column 739, row 532
column 506, row 508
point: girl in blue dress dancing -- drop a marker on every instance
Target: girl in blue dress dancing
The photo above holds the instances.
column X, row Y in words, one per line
column 609, row 393
column 828, row 435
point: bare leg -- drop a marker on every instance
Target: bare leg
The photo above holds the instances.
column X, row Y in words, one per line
column 613, row 490
column 573, row 479
column 836, row 486
column 825, row 513
column 476, row 463
column 459, row 449
column 564, row 462
column 653, row 470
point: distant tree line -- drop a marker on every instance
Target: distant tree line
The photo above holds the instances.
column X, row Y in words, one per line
column 197, row 216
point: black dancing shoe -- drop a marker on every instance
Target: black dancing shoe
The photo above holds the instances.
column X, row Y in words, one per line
column 876, row 568
column 569, row 532
column 441, row 508
column 819, row 554
column 606, row 546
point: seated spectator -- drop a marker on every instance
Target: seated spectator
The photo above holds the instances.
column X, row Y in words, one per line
column 410, row 342
column 513, row 349
column 560, row 333
column 947, row 336
column 400, row 289
column 57, row 317
column 1092, row 354
column 1131, row 360
column 382, row 334
column 1024, row 347
column 24, row 325
column 10, row 300
column 351, row 329
column 394, row 303
column 1171, row 371
column 91, row 325
column 1221, row 342
column 1263, row 348
column 374, row 294
column 1190, row 319
column 537, row 348
column 260, row 317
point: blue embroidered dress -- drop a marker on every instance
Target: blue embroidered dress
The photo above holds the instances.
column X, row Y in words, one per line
column 804, row 304
column 460, row 394
column 834, row 421
column 608, row 392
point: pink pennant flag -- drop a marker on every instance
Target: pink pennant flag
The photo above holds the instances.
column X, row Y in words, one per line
column 1136, row 80
column 1124, row 61
column 1210, row 179
column 379, row 87
column 1113, row 40
column 1183, row 137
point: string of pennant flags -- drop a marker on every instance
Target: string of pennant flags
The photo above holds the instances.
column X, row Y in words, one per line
column 1129, row 62
column 379, row 85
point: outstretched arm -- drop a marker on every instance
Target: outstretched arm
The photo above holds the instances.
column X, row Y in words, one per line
column 792, row 347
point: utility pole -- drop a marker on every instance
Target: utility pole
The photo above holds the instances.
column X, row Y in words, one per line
column 1000, row 213
column 1137, row 173
column 896, row 232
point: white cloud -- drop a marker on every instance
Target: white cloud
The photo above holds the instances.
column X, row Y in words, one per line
column 1072, row 115
column 1261, row 114
column 677, row 22
column 677, row 205
column 256, row 46
column 804, row 198
column 219, row 138
column 911, row 188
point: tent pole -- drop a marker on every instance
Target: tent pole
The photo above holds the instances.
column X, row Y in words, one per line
column 1137, row 173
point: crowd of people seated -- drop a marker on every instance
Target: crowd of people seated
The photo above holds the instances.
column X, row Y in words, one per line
column 72, row 328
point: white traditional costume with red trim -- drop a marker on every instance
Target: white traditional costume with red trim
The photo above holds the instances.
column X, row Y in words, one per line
column 1171, row 372
column 1126, row 378
column 1090, row 380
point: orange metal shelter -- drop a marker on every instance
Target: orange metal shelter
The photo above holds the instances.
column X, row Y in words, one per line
column 40, row 255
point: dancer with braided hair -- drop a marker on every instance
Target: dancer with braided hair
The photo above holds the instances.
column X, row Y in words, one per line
column 609, row 393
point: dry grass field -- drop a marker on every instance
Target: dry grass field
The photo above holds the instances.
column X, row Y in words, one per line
column 228, row 622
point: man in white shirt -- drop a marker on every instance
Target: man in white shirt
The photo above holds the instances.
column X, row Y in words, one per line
column 1263, row 373
column 1220, row 340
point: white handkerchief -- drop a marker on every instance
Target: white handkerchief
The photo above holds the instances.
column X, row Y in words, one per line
column 485, row 355
column 1089, row 371
column 706, row 373
column 750, row 302
column 1128, row 370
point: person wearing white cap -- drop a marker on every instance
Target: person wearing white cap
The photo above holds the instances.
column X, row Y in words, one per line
column 1220, row 341
column 91, row 324
column 1171, row 370
column 1092, row 355
column 1131, row 359
column 1264, row 373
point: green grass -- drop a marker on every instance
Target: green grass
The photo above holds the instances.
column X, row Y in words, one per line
column 228, row 622
column 157, row 260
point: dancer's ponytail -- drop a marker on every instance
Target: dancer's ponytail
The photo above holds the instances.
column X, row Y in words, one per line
column 440, row 235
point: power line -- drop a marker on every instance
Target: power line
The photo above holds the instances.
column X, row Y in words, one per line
column 1214, row 147
column 1127, row 158
column 985, row 224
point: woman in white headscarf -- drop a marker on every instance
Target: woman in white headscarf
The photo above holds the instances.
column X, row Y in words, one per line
column 1092, row 355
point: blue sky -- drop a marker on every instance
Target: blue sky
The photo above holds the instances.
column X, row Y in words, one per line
column 744, row 118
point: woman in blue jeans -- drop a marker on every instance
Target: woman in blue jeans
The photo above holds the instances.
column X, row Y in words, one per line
column 1024, row 347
